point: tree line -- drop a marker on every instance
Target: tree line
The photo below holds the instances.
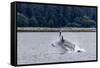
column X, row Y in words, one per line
column 33, row 15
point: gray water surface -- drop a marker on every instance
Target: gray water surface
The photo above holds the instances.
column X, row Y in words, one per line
column 35, row 47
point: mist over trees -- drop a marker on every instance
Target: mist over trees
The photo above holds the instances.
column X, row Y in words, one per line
column 53, row 16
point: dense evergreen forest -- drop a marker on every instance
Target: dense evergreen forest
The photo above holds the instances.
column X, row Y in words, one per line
column 55, row 16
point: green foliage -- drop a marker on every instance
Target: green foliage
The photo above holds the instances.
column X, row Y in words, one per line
column 33, row 22
column 74, row 24
column 85, row 21
column 50, row 23
column 22, row 21
column 54, row 16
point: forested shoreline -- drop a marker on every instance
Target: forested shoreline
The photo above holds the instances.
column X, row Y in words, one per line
column 52, row 16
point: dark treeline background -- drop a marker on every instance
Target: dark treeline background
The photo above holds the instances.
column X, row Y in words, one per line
column 35, row 15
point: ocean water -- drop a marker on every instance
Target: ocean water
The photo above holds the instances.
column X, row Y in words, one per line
column 35, row 47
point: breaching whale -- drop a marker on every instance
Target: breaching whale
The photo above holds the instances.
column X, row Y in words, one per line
column 66, row 46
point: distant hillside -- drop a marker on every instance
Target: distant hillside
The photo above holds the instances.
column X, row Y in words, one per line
column 52, row 16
